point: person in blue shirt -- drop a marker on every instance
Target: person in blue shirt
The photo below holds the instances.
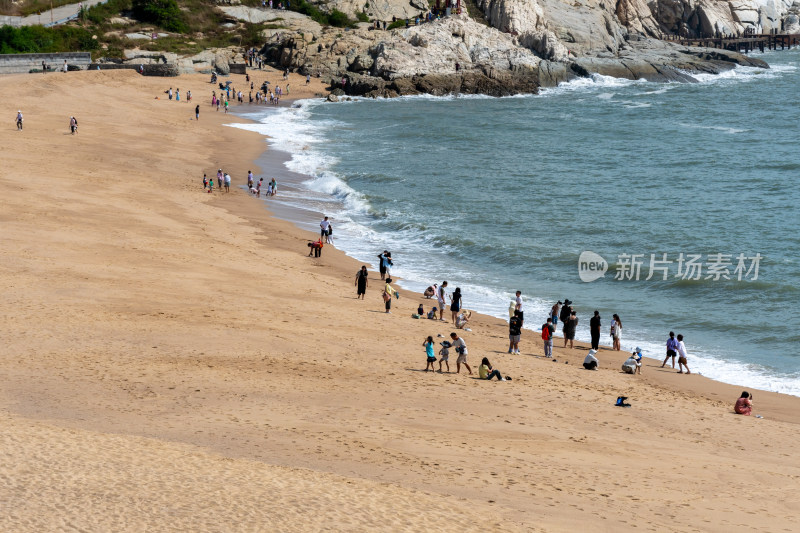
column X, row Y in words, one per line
column 672, row 349
column 428, row 344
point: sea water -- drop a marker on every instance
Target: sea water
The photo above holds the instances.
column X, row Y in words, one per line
column 699, row 181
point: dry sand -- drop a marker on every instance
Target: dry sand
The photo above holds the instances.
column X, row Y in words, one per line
column 172, row 360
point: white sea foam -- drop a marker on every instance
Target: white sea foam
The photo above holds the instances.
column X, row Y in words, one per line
column 296, row 132
column 723, row 129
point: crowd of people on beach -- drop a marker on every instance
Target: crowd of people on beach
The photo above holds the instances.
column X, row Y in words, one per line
column 563, row 312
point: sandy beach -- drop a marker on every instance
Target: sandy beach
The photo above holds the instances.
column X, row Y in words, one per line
column 173, row 361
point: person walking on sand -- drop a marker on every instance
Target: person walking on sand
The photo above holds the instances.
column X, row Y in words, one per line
column 19, row 119
column 177, row 95
column 388, row 292
column 683, row 357
column 672, row 349
column 569, row 329
column 249, row 179
column 548, row 330
column 323, row 228
column 197, row 112
column 461, row 349
column 594, row 329
column 431, row 357
column 227, row 182
column 616, row 332
column 514, row 332
column 441, row 298
column 205, row 182
column 73, row 125
column 362, row 282
column 455, row 303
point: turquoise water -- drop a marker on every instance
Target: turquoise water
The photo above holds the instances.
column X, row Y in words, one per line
column 498, row 195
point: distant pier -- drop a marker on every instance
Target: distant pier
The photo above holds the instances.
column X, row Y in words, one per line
column 747, row 43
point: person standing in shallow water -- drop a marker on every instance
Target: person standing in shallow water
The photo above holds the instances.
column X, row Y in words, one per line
column 362, row 282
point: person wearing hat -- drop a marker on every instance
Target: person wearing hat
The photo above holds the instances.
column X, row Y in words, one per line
column 591, row 362
column 19, row 119
column 633, row 364
column 566, row 310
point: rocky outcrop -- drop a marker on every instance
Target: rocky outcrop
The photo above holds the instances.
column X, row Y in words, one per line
column 451, row 55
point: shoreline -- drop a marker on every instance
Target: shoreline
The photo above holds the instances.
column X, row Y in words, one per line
column 162, row 337
column 298, row 215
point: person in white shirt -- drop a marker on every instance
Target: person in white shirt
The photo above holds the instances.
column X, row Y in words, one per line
column 440, row 296
column 682, row 356
column 323, row 226
column 518, row 303
column 461, row 349
column 633, row 364
column 591, row 362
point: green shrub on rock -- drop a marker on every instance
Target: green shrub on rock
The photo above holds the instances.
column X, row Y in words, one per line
column 164, row 13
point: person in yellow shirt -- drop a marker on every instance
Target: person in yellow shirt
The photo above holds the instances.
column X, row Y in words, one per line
column 388, row 292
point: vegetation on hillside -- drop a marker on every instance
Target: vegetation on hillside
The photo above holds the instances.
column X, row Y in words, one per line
column 37, row 39
column 193, row 25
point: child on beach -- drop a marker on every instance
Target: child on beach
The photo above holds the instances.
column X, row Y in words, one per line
column 432, row 314
column 428, row 344
column 421, row 310
column 205, row 182
column 444, row 354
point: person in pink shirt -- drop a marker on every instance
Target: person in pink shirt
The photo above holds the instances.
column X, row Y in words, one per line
column 744, row 405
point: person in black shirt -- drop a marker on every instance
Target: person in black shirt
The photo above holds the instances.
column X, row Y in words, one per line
column 594, row 327
column 566, row 310
column 514, row 332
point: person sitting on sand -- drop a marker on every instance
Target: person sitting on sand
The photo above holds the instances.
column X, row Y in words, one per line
column 633, row 364
column 428, row 344
column 421, row 310
column 744, row 405
column 591, row 362
column 432, row 314
column 462, row 319
column 485, row 371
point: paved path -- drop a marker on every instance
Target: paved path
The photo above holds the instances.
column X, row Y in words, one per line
column 54, row 17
